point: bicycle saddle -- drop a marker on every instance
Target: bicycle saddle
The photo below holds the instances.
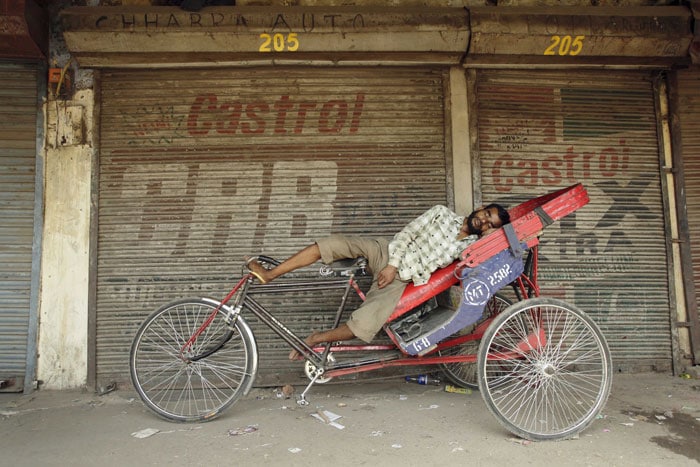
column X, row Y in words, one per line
column 345, row 267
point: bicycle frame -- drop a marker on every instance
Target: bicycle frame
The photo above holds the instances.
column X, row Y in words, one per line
column 243, row 295
column 247, row 300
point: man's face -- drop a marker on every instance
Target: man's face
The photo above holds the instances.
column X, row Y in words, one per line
column 482, row 221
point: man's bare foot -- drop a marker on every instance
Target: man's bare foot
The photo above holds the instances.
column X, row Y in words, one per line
column 294, row 355
column 310, row 341
column 258, row 270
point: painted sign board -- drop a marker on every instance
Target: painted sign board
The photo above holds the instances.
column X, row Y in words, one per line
column 110, row 36
column 578, row 36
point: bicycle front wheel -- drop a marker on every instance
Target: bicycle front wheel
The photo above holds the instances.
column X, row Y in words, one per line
column 201, row 382
column 544, row 369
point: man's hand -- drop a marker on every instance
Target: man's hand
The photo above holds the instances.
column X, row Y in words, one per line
column 386, row 276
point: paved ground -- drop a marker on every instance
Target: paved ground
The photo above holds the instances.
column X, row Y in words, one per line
column 650, row 420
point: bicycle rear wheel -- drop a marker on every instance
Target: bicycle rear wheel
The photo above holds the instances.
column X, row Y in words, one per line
column 465, row 374
column 544, row 369
column 208, row 377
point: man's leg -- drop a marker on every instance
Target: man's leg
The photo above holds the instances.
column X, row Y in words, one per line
column 370, row 317
column 305, row 257
column 365, row 322
column 341, row 333
column 331, row 249
column 308, row 255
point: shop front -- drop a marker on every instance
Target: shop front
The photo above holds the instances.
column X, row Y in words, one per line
column 303, row 124
column 687, row 152
column 563, row 96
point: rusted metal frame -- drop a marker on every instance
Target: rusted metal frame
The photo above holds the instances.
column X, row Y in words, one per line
column 693, row 322
column 93, row 241
column 357, row 347
column 292, row 285
column 405, row 361
column 474, row 149
column 659, row 89
column 40, row 164
column 449, row 150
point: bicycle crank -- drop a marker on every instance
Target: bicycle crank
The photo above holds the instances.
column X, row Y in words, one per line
column 316, row 374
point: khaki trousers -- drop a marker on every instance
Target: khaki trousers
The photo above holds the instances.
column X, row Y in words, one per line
column 369, row 318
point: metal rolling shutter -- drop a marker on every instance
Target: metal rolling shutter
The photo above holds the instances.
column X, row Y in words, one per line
column 689, row 97
column 199, row 168
column 539, row 131
column 18, row 120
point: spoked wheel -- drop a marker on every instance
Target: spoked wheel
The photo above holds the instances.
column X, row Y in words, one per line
column 465, row 374
column 544, row 369
column 205, row 379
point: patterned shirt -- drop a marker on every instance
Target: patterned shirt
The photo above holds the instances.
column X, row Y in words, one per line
column 429, row 242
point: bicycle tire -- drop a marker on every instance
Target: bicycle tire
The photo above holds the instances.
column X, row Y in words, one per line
column 182, row 390
column 545, row 369
column 465, row 374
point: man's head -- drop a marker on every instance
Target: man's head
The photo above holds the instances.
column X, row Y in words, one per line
column 486, row 219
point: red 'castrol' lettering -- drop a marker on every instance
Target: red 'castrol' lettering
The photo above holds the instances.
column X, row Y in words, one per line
column 209, row 116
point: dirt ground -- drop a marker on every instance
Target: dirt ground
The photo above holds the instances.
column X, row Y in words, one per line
column 650, row 420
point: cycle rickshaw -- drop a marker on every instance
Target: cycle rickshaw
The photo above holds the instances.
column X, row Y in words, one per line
column 542, row 365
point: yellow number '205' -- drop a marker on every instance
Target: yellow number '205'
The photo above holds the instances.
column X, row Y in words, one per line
column 565, row 45
column 279, row 42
